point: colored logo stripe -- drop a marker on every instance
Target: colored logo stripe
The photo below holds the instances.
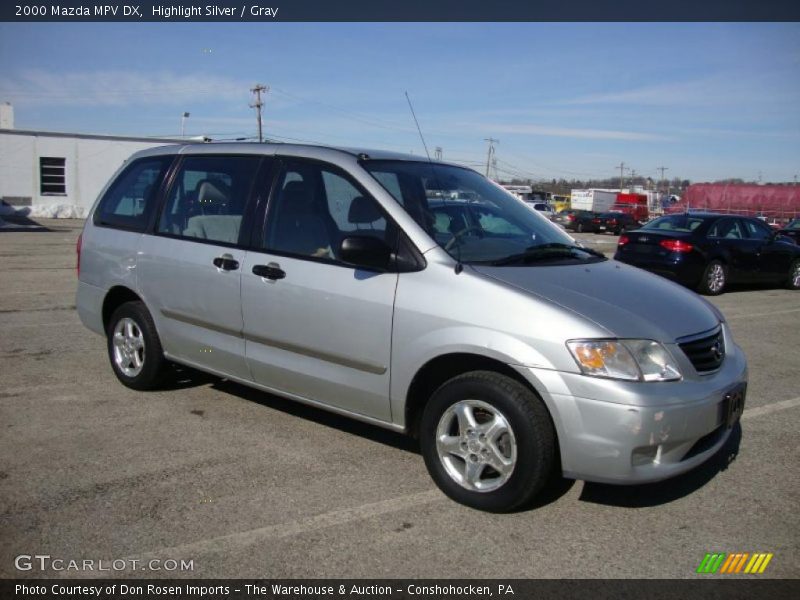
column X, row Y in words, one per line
column 734, row 563
column 711, row 563
column 758, row 563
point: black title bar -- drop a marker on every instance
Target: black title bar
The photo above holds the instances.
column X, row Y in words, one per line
column 396, row 10
column 711, row 588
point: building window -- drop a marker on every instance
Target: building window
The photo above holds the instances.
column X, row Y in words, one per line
column 52, row 176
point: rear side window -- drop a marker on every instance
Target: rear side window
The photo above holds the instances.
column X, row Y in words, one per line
column 130, row 201
column 727, row 229
column 684, row 223
column 208, row 198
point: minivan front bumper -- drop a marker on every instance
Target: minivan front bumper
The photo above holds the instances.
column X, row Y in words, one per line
column 628, row 433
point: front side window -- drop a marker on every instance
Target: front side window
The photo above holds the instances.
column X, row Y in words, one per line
column 314, row 207
column 208, row 198
column 757, row 231
column 131, row 199
column 474, row 220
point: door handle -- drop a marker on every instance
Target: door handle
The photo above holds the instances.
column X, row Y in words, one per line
column 271, row 271
column 226, row 262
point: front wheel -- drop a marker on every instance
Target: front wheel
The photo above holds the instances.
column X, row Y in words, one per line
column 488, row 441
column 134, row 348
column 793, row 283
column 714, row 279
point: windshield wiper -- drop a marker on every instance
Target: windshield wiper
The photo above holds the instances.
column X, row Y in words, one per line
column 546, row 252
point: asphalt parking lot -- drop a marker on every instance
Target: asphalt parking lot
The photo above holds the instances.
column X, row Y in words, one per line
column 245, row 484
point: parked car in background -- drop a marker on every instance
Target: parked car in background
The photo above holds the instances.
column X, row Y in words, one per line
column 350, row 280
column 543, row 208
column 710, row 251
column 583, row 222
column 565, row 217
column 614, row 222
column 791, row 230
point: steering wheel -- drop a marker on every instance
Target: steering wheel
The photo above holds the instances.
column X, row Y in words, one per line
column 463, row 232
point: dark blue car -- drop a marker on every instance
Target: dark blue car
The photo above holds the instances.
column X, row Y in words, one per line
column 707, row 251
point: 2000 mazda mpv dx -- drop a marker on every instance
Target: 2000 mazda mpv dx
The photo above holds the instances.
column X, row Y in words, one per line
column 358, row 282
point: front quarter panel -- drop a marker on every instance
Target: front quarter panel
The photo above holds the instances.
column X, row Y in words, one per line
column 439, row 312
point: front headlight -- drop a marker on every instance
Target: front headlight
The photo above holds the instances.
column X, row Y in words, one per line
column 632, row 360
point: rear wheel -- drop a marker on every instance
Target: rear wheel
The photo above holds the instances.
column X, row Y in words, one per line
column 793, row 283
column 488, row 441
column 579, row 228
column 134, row 348
column 714, row 279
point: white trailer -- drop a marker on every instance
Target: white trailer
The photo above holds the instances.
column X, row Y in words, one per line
column 593, row 199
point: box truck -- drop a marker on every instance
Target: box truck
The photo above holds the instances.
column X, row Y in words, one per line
column 594, row 200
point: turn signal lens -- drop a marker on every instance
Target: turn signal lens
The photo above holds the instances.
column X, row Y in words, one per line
column 632, row 360
column 602, row 358
column 676, row 245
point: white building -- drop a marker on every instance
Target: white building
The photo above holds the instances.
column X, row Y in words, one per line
column 60, row 174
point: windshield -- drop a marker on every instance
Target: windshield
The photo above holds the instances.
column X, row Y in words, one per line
column 473, row 219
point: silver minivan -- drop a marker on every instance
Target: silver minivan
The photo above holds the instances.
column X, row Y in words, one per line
column 415, row 295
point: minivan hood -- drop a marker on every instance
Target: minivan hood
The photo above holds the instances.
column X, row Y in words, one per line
column 624, row 300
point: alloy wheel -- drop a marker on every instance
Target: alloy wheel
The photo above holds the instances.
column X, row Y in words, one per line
column 476, row 445
column 716, row 278
column 128, row 343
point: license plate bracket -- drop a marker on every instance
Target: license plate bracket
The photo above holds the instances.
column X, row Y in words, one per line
column 733, row 405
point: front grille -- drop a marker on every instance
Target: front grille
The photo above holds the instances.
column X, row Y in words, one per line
column 707, row 353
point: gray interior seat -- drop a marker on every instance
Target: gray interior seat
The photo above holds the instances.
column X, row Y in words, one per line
column 220, row 228
column 299, row 227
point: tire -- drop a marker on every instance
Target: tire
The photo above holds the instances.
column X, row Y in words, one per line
column 579, row 228
column 714, row 279
column 509, row 427
column 793, row 282
column 134, row 348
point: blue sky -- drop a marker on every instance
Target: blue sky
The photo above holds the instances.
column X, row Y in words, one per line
column 707, row 101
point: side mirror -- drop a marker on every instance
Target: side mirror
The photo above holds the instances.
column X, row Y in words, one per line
column 365, row 252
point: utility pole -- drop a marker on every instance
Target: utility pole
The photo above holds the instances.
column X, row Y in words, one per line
column 621, row 168
column 663, row 181
column 490, row 155
column 257, row 105
column 183, row 123
column 437, row 153
column 662, row 169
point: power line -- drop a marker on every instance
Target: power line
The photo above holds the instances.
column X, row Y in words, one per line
column 352, row 114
